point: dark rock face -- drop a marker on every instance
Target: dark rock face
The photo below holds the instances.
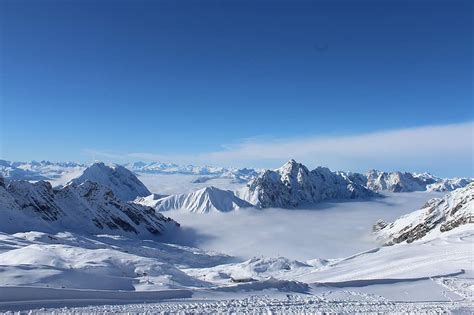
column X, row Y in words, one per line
column 293, row 185
column 380, row 224
column 37, row 197
column 88, row 207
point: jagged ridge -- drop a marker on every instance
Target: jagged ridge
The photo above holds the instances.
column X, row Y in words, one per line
column 438, row 215
column 293, row 185
column 88, row 207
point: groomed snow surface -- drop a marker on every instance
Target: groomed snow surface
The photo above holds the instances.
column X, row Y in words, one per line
column 305, row 260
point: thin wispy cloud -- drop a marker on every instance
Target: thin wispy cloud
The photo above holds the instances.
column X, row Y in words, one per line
column 427, row 147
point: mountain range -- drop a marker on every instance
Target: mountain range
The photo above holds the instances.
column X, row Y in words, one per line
column 83, row 206
column 293, row 185
column 290, row 186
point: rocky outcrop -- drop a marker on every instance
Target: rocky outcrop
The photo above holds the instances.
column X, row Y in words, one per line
column 88, row 207
column 437, row 216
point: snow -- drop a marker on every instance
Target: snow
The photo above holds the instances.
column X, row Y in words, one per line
column 124, row 184
column 437, row 216
column 65, row 269
column 209, row 199
column 86, row 208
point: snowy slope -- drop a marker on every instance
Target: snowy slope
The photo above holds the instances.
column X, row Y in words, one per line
column 209, row 199
column 293, row 185
column 124, row 184
column 85, row 208
column 150, row 200
column 438, row 215
column 104, row 262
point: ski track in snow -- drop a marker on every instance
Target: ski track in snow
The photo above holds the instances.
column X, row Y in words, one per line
column 266, row 304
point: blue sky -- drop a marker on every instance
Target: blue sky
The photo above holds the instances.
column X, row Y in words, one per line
column 118, row 80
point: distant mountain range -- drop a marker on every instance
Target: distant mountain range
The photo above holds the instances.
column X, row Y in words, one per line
column 46, row 170
column 292, row 185
column 238, row 174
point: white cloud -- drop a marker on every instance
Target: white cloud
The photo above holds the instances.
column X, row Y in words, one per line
column 419, row 148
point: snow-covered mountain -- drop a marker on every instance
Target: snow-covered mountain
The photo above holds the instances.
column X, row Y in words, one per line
column 124, row 184
column 209, row 199
column 397, row 181
column 293, row 184
column 405, row 182
column 58, row 173
column 87, row 207
column 438, row 215
column 449, row 184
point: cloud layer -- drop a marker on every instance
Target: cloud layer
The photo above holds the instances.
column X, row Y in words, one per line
column 442, row 149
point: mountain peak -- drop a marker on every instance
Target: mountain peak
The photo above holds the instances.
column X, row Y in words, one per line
column 124, row 184
column 293, row 184
column 208, row 199
column 290, row 167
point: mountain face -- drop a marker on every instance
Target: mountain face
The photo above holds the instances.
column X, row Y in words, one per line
column 396, row 181
column 124, row 184
column 405, row 182
column 209, row 199
column 88, row 207
column 293, row 185
column 449, row 184
column 438, row 215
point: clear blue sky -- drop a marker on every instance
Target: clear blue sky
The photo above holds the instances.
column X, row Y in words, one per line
column 187, row 78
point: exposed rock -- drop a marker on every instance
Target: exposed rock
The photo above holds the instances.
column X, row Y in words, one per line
column 436, row 216
column 293, row 185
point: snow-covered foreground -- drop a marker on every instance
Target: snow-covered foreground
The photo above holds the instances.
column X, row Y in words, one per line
column 328, row 230
column 110, row 274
